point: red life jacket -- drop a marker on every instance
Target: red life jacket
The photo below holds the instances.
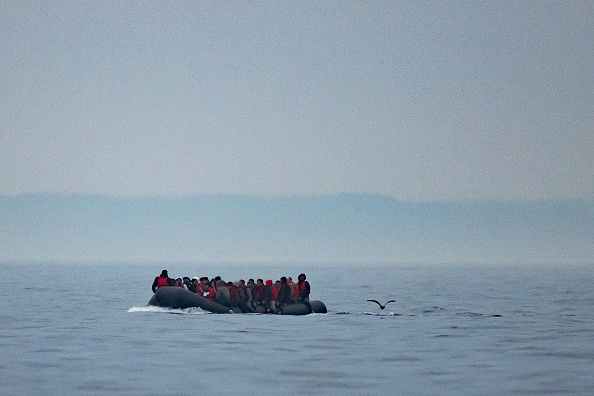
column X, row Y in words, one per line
column 274, row 294
column 211, row 293
column 162, row 282
column 259, row 293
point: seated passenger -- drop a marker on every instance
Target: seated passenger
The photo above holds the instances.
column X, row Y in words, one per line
column 179, row 283
column 292, row 286
column 222, row 296
column 274, row 295
column 206, row 290
column 245, row 295
column 193, row 287
column 261, row 295
column 233, row 292
column 284, row 293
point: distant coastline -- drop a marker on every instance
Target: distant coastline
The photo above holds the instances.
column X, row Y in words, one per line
column 326, row 228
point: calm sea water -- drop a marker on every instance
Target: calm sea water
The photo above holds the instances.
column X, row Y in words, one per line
column 82, row 329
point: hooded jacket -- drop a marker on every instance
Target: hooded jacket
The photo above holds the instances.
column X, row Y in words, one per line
column 223, row 296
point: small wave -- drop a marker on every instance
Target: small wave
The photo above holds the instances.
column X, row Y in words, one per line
column 476, row 315
column 381, row 314
column 152, row 308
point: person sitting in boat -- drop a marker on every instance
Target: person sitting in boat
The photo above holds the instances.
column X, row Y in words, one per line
column 193, row 286
column 206, row 290
column 238, row 297
column 187, row 282
column 273, row 295
column 162, row 280
column 249, row 291
column 291, row 284
column 245, row 294
column 261, row 295
column 222, row 296
column 284, row 293
column 179, row 283
column 233, row 293
column 302, row 289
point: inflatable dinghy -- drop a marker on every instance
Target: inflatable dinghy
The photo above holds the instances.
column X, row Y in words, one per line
column 178, row 298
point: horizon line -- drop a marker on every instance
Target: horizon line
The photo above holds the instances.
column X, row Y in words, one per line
column 295, row 196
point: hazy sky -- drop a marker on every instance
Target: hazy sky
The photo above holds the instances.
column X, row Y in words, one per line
column 418, row 100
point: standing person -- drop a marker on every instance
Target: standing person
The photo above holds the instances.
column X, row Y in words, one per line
column 162, row 280
column 292, row 286
column 302, row 289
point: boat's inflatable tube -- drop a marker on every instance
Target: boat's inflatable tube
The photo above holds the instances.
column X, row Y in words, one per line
column 178, row 298
column 314, row 306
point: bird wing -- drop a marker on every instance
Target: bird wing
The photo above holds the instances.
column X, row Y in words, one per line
column 391, row 301
column 375, row 301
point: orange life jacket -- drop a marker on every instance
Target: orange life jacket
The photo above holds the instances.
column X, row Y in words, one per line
column 300, row 289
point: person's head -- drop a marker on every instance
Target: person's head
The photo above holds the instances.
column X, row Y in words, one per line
column 277, row 284
column 194, row 281
column 164, row 274
column 221, row 283
column 260, row 282
column 250, row 283
column 186, row 279
column 289, row 279
column 241, row 283
column 269, row 282
column 229, row 285
column 179, row 281
column 251, row 280
column 204, row 280
column 302, row 277
column 283, row 280
column 217, row 278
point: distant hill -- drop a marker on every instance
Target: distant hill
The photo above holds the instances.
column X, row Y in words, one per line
column 318, row 229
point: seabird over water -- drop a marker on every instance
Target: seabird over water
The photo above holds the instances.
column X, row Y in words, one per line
column 382, row 306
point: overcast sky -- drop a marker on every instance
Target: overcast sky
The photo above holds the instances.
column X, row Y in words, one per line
column 417, row 100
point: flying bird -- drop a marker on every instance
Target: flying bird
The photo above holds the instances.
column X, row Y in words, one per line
column 382, row 306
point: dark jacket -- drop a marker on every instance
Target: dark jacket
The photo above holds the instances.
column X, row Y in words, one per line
column 284, row 294
column 170, row 282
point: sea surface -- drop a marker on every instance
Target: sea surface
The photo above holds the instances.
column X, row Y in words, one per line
column 454, row 330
